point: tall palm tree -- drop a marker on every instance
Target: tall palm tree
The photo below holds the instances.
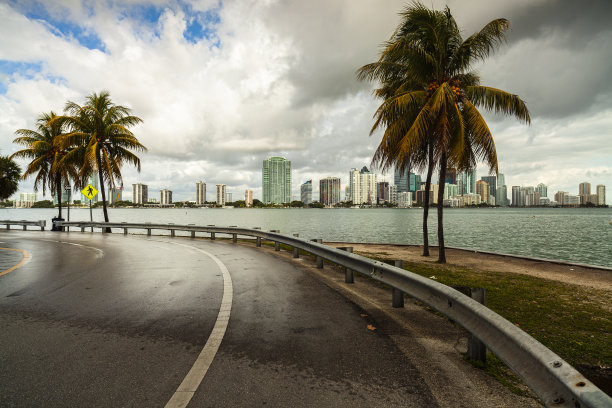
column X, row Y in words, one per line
column 99, row 133
column 10, row 174
column 431, row 98
column 48, row 153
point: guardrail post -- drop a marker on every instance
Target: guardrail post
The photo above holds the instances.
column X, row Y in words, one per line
column 82, row 228
column 42, row 225
column 258, row 239
column 25, row 227
column 397, row 295
column 296, row 250
column 318, row 259
column 212, row 234
column 276, row 243
column 476, row 348
column 8, row 226
column 348, row 273
column 148, row 232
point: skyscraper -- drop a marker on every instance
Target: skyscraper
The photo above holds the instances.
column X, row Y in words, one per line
column 584, row 191
column 466, row 181
column 601, row 194
column 492, row 181
column 140, row 193
column 482, row 188
column 116, row 195
column 306, row 192
column 165, row 197
column 363, row 186
column 276, row 175
column 401, row 180
column 329, row 191
column 382, row 191
column 221, row 194
column 200, row 193
column 93, row 180
column 542, row 189
column 248, row 198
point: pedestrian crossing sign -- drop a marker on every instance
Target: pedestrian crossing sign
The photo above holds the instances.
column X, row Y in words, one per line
column 89, row 191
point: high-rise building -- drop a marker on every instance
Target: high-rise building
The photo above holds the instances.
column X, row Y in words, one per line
column 200, row 193
column 584, row 188
column 501, row 195
column 492, row 181
column 329, row 191
column 466, row 182
column 560, row 197
column 140, row 193
column 276, row 175
column 542, row 189
column 501, row 180
column 26, row 200
column 393, row 194
column 228, row 198
column 401, row 179
column 482, row 188
column 451, row 176
column 221, row 194
column 601, row 194
column 404, row 199
column 516, row 197
column 306, row 192
column 115, row 195
column 433, row 194
column 382, row 192
column 248, row 198
column 363, row 186
column 450, row 190
column 165, row 197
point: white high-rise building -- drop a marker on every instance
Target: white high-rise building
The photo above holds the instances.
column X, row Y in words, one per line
column 404, row 199
column 220, row 194
column 140, row 193
column 165, row 197
column 542, row 190
column 200, row 193
column 601, row 194
column 362, row 185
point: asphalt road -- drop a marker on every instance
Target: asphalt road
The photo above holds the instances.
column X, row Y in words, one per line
column 118, row 321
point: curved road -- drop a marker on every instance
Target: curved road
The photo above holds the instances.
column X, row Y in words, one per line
column 112, row 320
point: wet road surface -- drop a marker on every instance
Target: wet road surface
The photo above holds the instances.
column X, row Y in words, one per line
column 113, row 320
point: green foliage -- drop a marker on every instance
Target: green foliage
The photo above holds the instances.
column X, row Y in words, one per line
column 296, row 204
column 316, row 204
column 43, row 204
column 10, row 173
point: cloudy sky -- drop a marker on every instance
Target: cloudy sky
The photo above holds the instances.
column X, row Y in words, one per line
column 221, row 85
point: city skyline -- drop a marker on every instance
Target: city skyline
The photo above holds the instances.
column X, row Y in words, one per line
column 213, row 108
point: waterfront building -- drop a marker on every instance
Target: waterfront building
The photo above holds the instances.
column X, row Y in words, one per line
column 451, row 202
column 544, row 201
column 363, row 186
column 482, row 188
column 433, row 195
column 491, row 200
column 601, row 194
column 501, row 195
column 542, row 190
column 382, row 192
column 467, row 200
column 393, row 194
column 228, row 198
column 306, row 192
column 276, row 177
column 532, row 198
column 329, row 191
column 450, row 190
column 248, row 198
column 152, row 201
column 501, row 180
column 572, row 201
column 26, row 200
column 200, row 193
column 165, row 197
column 115, row 195
column 451, row 176
column 93, row 180
column 584, row 191
column 347, row 193
column 492, row 181
column 221, row 194
column 140, row 194
column 401, row 179
column 467, row 181
column 560, row 197
column 404, row 199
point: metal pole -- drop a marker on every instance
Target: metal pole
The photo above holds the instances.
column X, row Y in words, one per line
column 90, row 214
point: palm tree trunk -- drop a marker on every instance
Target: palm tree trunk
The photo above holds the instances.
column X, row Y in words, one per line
column 441, row 249
column 58, row 188
column 426, row 204
column 104, row 209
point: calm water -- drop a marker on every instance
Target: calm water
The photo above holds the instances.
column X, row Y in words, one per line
column 577, row 235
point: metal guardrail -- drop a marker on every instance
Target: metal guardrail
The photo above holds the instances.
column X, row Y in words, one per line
column 556, row 382
column 24, row 223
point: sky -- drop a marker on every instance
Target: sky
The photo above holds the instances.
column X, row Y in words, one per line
column 222, row 85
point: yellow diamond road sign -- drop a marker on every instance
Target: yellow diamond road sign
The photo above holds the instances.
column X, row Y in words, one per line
column 89, row 191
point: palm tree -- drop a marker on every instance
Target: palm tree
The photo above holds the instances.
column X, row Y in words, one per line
column 46, row 148
column 99, row 133
column 430, row 98
column 10, row 173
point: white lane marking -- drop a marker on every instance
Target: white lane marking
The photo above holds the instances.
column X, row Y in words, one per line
column 100, row 252
column 194, row 377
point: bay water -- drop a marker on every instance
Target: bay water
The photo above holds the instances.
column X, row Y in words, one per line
column 571, row 234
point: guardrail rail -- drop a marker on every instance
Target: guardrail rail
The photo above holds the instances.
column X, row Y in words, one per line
column 41, row 224
column 555, row 381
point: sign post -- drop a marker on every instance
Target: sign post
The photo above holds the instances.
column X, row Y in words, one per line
column 90, row 192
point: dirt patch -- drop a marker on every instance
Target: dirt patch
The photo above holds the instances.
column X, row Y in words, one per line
column 574, row 275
